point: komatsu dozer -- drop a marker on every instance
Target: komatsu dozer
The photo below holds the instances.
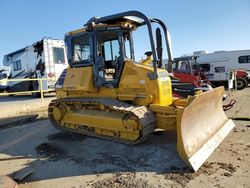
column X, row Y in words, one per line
column 105, row 93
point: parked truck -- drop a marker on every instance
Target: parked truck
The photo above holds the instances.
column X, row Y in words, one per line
column 43, row 59
column 190, row 78
column 219, row 64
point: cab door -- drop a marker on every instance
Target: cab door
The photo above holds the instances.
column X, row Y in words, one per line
column 109, row 56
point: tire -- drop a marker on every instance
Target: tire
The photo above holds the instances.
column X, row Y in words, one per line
column 34, row 86
column 241, row 83
column 36, row 95
column 8, row 90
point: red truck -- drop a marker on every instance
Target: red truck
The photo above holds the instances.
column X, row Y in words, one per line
column 187, row 70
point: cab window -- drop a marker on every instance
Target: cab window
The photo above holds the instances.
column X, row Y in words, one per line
column 205, row 67
column 244, row 59
column 81, row 48
column 58, row 54
column 111, row 50
column 108, row 51
column 182, row 67
column 17, row 65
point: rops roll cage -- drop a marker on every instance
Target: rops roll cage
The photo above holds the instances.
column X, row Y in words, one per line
column 157, row 61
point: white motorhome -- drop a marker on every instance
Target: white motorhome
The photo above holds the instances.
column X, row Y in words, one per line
column 3, row 78
column 219, row 64
column 44, row 59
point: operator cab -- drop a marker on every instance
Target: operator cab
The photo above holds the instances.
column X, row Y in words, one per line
column 106, row 48
column 105, row 43
column 110, row 54
column 186, row 64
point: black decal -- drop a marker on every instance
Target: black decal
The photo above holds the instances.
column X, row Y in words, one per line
column 38, row 48
column 219, row 69
column 40, row 66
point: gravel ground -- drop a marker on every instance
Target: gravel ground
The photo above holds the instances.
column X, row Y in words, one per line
column 60, row 159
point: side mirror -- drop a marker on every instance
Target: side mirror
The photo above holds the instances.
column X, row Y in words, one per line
column 159, row 46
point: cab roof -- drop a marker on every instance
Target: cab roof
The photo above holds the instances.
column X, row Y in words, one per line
column 130, row 19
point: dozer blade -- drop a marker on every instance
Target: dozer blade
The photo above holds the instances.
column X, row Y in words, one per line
column 201, row 127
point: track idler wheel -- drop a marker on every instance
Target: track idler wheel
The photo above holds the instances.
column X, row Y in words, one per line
column 58, row 112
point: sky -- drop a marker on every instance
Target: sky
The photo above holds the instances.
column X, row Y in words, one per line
column 193, row 24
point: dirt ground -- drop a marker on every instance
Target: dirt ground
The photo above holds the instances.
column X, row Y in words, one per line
column 60, row 159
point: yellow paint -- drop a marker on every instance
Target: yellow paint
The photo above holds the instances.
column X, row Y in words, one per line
column 147, row 61
column 135, row 87
column 166, row 116
column 135, row 81
column 118, row 24
column 77, row 31
column 104, row 122
column 80, row 79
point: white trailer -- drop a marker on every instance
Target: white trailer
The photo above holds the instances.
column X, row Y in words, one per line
column 3, row 78
column 44, row 59
column 219, row 64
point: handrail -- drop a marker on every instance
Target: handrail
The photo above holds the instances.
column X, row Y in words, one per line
column 28, row 92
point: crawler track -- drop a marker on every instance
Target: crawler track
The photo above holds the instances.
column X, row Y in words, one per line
column 145, row 117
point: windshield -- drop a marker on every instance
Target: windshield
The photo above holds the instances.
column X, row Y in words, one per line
column 58, row 54
column 81, row 48
column 181, row 66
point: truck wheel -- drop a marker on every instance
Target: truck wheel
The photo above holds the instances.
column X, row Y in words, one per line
column 8, row 91
column 36, row 95
column 241, row 83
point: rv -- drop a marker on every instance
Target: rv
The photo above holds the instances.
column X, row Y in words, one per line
column 3, row 79
column 219, row 65
column 44, row 59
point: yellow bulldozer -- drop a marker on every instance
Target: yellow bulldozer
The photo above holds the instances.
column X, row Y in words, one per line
column 105, row 93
